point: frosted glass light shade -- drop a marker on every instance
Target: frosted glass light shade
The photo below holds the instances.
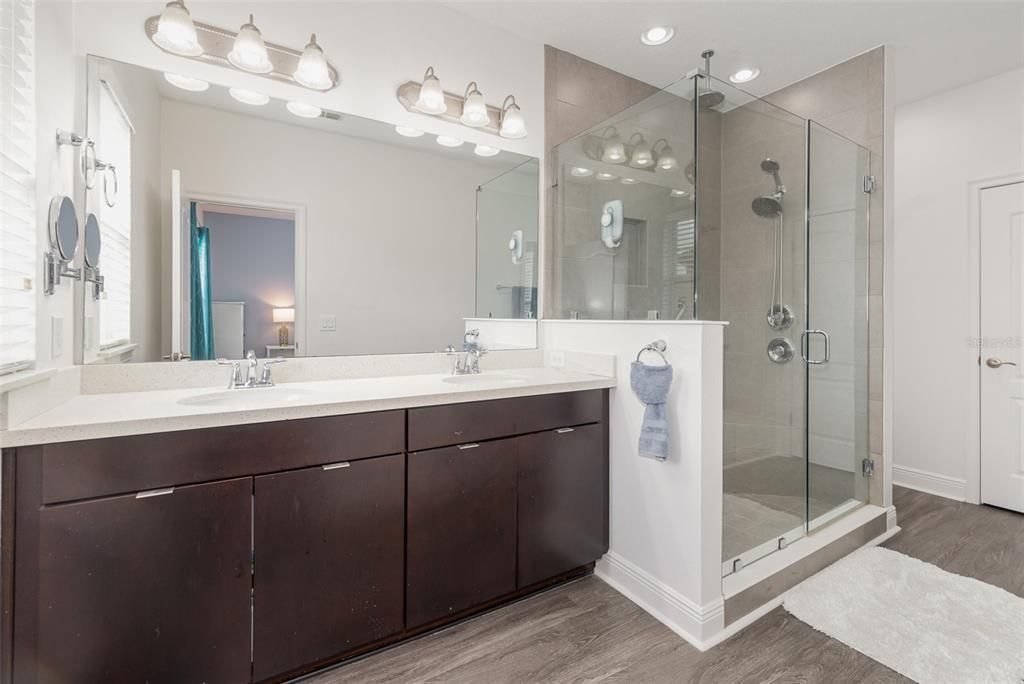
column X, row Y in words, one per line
column 642, row 156
column 284, row 315
column 313, row 71
column 175, row 31
column 512, row 123
column 614, row 152
column 431, row 98
column 474, row 109
column 249, row 52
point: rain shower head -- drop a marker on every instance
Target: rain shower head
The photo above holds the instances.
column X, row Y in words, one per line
column 766, row 206
column 709, row 99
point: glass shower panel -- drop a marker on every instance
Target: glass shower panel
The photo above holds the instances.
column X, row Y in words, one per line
column 752, row 170
column 836, row 343
column 624, row 237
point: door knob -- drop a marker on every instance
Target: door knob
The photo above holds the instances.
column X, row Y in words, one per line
column 993, row 362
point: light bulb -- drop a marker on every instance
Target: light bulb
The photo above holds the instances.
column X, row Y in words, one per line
column 175, row 31
column 313, row 71
column 431, row 99
column 667, row 159
column 744, row 75
column 306, row 111
column 512, row 123
column 614, row 152
column 642, row 156
column 474, row 109
column 249, row 97
column 657, row 35
column 249, row 53
column 186, row 82
column 485, row 151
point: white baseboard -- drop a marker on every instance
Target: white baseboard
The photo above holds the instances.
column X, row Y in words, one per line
column 930, row 483
column 692, row 622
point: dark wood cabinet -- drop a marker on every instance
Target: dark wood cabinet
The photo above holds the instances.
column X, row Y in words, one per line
column 144, row 589
column 329, row 549
column 562, row 501
column 461, row 529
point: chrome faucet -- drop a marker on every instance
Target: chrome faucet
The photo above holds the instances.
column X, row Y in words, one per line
column 467, row 362
column 252, row 377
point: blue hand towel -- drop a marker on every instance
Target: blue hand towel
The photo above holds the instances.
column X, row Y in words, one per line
column 651, row 385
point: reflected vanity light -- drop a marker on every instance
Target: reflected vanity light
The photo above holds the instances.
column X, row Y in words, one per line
column 449, row 141
column 745, row 75
column 657, row 35
column 629, row 181
column 614, row 150
column 431, row 99
column 408, row 131
column 306, row 111
column 175, row 31
column 605, row 176
column 676, row 192
column 485, row 151
column 666, row 158
column 249, row 97
column 581, row 171
column 513, row 125
column 186, row 82
column 313, row 71
column 249, row 52
column 642, row 156
column 474, row 109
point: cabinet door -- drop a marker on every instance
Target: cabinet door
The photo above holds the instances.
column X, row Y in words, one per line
column 461, row 528
column 329, row 546
column 147, row 589
column 563, row 501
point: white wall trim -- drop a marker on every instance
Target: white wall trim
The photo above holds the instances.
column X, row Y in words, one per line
column 696, row 624
column 930, row 483
column 972, row 394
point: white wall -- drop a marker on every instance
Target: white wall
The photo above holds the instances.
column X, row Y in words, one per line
column 942, row 144
column 666, row 517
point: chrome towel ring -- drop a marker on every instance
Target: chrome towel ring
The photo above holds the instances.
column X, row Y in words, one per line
column 658, row 347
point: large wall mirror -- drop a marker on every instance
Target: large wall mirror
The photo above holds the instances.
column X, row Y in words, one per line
column 231, row 222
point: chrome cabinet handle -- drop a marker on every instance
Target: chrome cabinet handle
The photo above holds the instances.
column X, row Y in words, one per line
column 804, row 346
column 993, row 362
column 562, row 431
column 468, row 446
column 335, row 466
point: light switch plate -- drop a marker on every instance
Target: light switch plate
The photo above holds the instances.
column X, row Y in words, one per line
column 56, row 337
column 328, row 323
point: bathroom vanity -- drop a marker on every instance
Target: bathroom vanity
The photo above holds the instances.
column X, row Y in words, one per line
column 257, row 552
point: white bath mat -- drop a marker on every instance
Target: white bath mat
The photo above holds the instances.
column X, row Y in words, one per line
column 927, row 624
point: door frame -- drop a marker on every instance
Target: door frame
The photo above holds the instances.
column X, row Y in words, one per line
column 972, row 354
column 299, row 212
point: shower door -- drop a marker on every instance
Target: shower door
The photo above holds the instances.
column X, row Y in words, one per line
column 835, row 341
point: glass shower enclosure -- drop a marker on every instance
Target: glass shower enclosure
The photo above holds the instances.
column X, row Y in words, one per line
column 705, row 202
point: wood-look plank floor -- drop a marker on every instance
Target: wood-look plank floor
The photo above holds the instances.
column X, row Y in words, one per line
column 587, row 632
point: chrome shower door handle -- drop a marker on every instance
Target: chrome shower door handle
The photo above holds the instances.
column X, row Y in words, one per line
column 804, row 347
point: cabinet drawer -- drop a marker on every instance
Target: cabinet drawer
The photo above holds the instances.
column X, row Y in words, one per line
column 437, row 426
column 101, row 467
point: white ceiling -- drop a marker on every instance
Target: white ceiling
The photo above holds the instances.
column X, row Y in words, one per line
column 933, row 46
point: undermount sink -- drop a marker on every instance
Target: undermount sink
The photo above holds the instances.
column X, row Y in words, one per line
column 250, row 397
column 491, row 379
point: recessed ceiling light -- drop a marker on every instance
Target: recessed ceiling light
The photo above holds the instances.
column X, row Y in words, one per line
column 408, row 131
column 485, row 150
column 249, row 97
column 604, row 175
column 449, row 141
column 581, row 172
column 306, row 111
column 628, row 181
column 186, row 82
column 744, row 75
column 676, row 192
column 657, row 35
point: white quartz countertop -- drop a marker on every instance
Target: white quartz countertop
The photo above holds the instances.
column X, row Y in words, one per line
column 94, row 416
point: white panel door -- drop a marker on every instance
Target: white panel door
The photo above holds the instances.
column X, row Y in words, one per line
column 1002, row 331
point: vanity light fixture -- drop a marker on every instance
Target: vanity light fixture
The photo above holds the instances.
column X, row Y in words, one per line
column 512, row 124
column 745, row 75
column 249, row 52
column 313, row 71
column 485, row 151
column 629, row 181
column 186, row 82
column 474, row 109
column 614, row 150
column 306, row 111
column 175, row 31
column 657, row 35
column 408, row 131
column 605, row 176
column 666, row 159
column 642, row 156
column 449, row 141
column 249, row 97
column 581, row 171
column 431, row 98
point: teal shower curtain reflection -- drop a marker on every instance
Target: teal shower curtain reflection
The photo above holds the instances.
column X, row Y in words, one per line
column 201, row 299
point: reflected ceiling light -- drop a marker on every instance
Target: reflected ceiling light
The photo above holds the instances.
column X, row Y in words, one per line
column 581, row 171
column 657, row 35
column 512, row 123
column 186, row 82
column 449, row 141
column 628, row 181
column 249, row 97
column 744, row 75
column 666, row 158
column 604, row 175
column 485, row 150
column 642, row 156
column 175, row 31
column 313, row 71
column 614, row 150
column 431, row 99
column 306, row 111
column 408, row 131
column 474, row 109
column 676, row 192
column 249, row 53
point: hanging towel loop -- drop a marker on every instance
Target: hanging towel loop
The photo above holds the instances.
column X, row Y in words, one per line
column 658, row 347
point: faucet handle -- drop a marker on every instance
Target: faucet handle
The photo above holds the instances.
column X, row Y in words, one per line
column 265, row 376
column 250, row 355
column 236, row 372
